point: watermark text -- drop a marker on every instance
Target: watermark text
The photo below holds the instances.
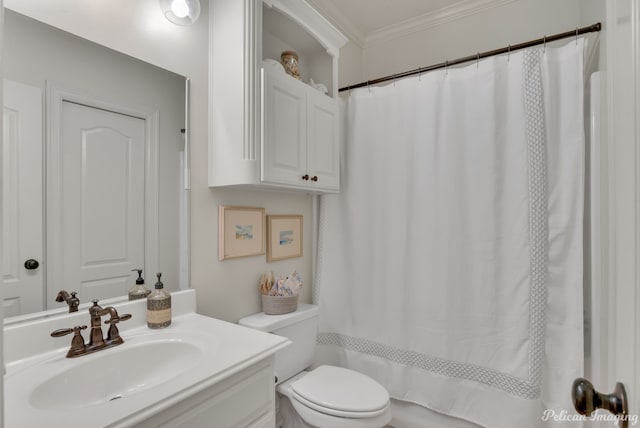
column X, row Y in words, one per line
column 565, row 416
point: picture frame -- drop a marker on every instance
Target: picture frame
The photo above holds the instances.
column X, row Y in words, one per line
column 241, row 232
column 284, row 237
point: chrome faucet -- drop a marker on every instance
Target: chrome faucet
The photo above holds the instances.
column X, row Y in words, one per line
column 96, row 338
column 71, row 300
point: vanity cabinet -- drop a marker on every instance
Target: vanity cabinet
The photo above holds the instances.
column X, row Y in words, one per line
column 268, row 129
column 246, row 399
column 300, row 145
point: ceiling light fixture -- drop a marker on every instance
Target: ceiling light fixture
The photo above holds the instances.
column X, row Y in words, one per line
column 181, row 12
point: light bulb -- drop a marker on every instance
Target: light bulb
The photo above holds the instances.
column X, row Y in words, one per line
column 180, row 12
column 180, row 8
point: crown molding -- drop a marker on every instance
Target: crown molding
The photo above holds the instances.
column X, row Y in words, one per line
column 429, row 20
column 338, row 19
column 422, row 22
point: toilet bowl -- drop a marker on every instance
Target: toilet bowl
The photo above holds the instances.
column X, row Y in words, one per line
column 335, row 397
column 327, row 396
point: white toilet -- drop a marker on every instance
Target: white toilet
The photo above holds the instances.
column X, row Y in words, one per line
column 328, row 396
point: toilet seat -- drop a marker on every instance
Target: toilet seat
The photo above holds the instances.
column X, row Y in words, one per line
column 340, row 392
column 334, row 412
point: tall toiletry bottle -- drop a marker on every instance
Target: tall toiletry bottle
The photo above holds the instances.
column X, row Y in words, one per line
column 139, row 291
column 159, row 306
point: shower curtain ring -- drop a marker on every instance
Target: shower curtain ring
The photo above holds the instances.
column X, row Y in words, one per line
column 545, row 44
column 576, row 36
column 478, row 60
column 394, row 80
column 418, row 73
column 509, row 54
column 446, row 67
column 368, row 86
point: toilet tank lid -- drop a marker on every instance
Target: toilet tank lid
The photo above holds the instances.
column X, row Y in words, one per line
column 269, row 323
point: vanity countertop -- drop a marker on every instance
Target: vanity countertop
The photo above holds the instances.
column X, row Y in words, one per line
column 200, row 352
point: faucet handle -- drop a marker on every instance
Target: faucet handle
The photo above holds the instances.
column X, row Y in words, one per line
column 117, row 318
column 113, row 335
column 77, row 343
column 64, row 331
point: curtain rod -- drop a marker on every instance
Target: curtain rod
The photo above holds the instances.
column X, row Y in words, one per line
column 575, row 33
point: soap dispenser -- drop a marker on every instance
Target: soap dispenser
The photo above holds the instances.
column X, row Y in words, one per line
column 139, row 291
column 159, row 306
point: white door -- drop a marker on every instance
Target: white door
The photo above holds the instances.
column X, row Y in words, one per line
column 22, row 199
column 616, row 281
column 284, row 118
column 323, row 144
column 95, row 198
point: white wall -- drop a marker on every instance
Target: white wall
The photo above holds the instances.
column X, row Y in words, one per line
column 596, row 222
column 35, row 53
column 1, row 255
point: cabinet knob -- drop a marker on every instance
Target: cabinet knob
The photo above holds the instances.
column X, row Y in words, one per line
column 314, row 178
column 305, row 177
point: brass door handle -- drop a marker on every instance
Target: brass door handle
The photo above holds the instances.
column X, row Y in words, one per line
column 586, row 400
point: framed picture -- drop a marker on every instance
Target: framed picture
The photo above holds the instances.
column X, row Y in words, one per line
column 240, row 232
column 284, row 237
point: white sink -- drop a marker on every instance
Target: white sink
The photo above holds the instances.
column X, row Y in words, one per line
column 152, row 372
column 115, row 373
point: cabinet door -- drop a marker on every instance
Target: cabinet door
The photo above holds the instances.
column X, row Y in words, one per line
column 284, row 121
column 323, row 144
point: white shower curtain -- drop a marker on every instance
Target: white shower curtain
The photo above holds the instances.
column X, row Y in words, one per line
column 450, row 265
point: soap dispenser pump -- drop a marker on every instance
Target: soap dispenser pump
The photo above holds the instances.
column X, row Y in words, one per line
column 139, row 291
column 159, row 306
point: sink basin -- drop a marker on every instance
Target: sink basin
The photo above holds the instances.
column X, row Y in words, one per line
column 123, row 386
column 116, row 373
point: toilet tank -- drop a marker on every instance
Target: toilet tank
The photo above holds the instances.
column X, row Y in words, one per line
column 299, row 327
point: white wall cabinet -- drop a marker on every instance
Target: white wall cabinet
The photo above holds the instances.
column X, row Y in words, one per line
column 267, row 129
column 300, row 145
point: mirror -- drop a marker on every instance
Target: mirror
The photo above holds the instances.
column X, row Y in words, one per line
column 100, row 189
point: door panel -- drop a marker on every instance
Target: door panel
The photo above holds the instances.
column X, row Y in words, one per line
column 99, row 181
column 22, row 198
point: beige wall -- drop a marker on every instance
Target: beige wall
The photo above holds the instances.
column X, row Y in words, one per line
column 227, row 289
column 513, row 23
column 350, row 66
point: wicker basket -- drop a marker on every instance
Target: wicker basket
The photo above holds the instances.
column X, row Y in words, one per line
column 277, row 305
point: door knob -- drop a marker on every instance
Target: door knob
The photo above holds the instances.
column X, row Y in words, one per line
column 314, row 178
column 31, row 264
column 586, row 400
column 305, row 177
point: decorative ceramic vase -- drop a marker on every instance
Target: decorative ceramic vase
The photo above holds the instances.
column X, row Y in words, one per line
column 289, row 61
